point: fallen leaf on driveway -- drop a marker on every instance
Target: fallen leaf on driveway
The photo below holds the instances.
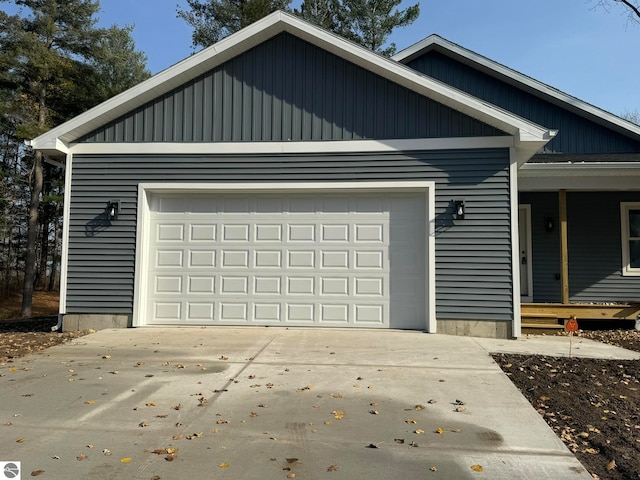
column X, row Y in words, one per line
column 338, row 414
column 81, row 457
column 419, row 431
column 21, row 440
column 37, row 473
column 332, row 468
column 433, row 469
column 611, row 465
column 90, row 402
column 125, row 460
column 223, row 465
column 477, row 468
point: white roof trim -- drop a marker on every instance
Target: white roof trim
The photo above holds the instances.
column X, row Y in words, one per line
column 524, row 131
column 616, row 169
column 433, row 41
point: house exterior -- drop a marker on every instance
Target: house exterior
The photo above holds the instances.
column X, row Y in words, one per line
column 285, row 176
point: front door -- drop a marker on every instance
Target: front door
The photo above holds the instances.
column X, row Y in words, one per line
column 524, row 231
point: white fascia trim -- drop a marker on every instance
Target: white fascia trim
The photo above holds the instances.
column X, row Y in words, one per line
column 580, row 169
column 435, row 40
column 142, row 227
column 66, row 213
column 293, row 147
column 515, row 243
column 264, row 29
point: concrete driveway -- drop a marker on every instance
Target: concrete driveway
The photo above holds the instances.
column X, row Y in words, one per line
column 271, row 403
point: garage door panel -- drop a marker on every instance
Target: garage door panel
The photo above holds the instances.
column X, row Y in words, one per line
column 323, row 259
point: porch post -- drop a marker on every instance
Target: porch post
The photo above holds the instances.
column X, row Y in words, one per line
column 564, row 248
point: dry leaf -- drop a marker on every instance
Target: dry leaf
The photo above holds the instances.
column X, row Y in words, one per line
column 90, row 402
column 399, row 440
column 81, row 457
column 106, row 357
column 106, row 452
column 223, row 465
column 373, row 445
column 332, row 468
column 21, row 440
column 611, row 465
column 291, row 475
column 374, row 412
column 460, row 409
column 335, row 395
column 410, row 421
column 222, row 357
column 291, row 460
column 477, row 468
column 440, row 431
column 151, row 404
column 419, row 431
column 420, row 407
column 143, row 424
column 338, row 414
column 125, row 460
column 178, row 437
column 433, row 469
column 170, row 458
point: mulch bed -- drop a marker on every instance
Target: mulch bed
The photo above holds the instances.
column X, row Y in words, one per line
column 21, row 337
column 592, row 405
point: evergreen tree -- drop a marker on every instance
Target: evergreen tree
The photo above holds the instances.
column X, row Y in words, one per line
column 371, row 22
column 212, row 20
column 55, row 64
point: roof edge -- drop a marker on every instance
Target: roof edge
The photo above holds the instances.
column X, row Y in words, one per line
column 434, row 41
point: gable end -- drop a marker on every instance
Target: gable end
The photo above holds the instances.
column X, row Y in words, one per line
column 287, row 89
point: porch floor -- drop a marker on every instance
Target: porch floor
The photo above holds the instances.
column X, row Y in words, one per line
column 552, row 317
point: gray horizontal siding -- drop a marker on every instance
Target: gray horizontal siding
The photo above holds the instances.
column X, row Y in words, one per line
column 577, row 134
column 595, row 257
column 473, row 264
column 286, row 89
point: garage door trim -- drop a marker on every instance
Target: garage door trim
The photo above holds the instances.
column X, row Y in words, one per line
column 146, row 190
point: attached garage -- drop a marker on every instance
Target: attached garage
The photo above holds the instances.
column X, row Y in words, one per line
column 286, row 176
column 336, row 257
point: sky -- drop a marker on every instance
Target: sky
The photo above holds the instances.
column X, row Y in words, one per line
column 571, row 45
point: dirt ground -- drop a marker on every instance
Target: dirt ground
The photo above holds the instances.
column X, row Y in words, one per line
column 592, row 405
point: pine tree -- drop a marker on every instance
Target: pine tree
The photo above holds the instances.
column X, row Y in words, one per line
column 51, row 61
column 212, row 20
column 371, row 22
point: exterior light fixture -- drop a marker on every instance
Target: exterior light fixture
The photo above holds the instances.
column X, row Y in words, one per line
column 113, row 209
column 549, row 224
column 458, row 209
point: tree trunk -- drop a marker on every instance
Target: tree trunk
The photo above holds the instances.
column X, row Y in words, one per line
column 32, row 237
column 41, row 277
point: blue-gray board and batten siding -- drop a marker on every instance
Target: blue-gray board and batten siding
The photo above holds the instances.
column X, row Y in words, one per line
column 594, row 244
column 287, row 89
column 473, row 259
column 576, row 134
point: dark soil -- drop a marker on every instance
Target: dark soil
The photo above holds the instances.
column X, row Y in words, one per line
column 21, row 337
column 592, row 405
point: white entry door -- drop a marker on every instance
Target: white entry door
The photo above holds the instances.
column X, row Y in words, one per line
column 324, row 259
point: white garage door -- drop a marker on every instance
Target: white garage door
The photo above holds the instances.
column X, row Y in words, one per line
column 323, row 259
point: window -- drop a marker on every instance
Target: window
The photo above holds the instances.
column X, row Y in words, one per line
column 630, row 238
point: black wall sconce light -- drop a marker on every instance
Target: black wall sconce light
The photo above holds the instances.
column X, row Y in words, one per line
column 549, row 224
column 113, row 209
column 458, row 209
